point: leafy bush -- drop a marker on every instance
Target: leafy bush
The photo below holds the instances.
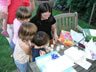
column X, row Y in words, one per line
column 83, row 7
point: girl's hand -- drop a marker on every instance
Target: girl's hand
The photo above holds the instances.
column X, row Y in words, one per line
column 25, row 46
column 26, row 42
column 42, row 52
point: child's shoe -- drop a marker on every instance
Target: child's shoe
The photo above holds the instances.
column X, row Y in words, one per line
column 0, row 26
column 5, row 33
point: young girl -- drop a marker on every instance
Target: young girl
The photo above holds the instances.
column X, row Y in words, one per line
column 22, row 48
column 40, row 40
column 4, row 15
column 45, row 21
column 15, row 4
column 22, row 15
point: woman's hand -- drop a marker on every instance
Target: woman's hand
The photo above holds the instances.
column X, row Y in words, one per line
column 54, row 31
column 55, row 38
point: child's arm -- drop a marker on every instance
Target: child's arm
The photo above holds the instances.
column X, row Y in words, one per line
column 42, row 52
column 26, row 47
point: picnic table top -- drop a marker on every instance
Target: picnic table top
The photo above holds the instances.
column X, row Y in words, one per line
column 77, row 67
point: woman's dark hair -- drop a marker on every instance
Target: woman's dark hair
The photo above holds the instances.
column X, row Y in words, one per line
column 23, row 13
column 43, row 7
column 40, row 38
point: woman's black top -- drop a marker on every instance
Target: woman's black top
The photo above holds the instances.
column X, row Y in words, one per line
column 44, row 25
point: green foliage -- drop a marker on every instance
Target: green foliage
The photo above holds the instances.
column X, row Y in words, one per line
column 85, row 25
column 83, row 7
column 6, row 62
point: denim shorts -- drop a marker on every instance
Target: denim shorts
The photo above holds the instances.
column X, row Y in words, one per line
column 12, row 45
column 22, row 67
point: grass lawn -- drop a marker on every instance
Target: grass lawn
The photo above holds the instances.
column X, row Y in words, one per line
column 6, row 62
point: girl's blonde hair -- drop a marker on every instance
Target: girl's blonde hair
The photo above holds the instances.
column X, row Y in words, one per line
column 27, row 31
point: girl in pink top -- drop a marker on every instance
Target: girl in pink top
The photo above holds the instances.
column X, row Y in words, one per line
column 23, row 14
column 4, row 15
column 15, row 4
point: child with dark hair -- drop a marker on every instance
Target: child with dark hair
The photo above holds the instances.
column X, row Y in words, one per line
column 40, row 40
column 22, row 15
column 22, row 49
column 45, row 21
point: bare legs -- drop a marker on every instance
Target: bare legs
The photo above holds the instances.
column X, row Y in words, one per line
column 4, row 18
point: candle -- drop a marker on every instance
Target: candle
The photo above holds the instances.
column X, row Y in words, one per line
column 52, row 46
column 58, row 48
column 62, row 47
